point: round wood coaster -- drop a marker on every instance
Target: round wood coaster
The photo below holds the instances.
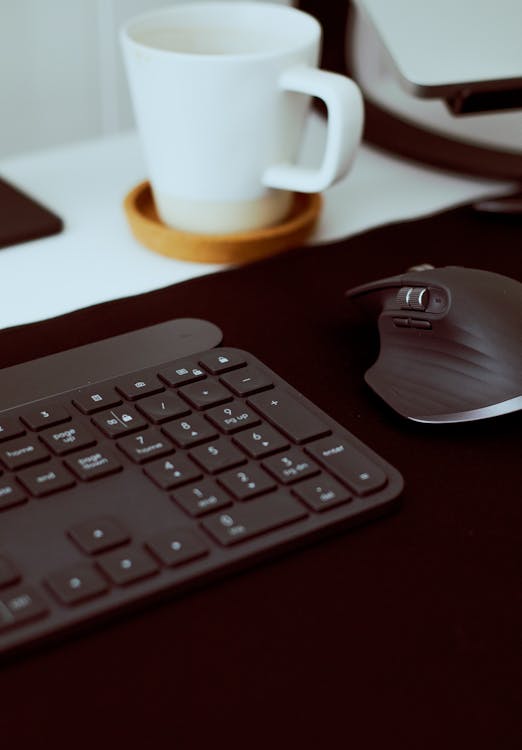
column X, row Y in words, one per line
column 242, row 247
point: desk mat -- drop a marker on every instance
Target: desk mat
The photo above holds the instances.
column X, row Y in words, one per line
column 404, row 633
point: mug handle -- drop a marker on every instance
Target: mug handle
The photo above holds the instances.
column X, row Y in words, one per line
column 344, row 103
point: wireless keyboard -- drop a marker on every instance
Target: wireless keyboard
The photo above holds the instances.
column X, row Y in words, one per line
column 129, row 487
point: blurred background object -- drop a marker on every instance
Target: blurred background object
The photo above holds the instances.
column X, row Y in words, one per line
column 442, row 81
column 61, row 72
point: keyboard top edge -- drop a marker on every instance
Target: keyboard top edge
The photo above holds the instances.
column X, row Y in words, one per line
column 110, row 357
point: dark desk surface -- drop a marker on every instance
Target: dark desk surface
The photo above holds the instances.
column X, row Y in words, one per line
column 403, row 633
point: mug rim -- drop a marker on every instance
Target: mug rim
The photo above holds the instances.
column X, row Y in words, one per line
column 267, row 9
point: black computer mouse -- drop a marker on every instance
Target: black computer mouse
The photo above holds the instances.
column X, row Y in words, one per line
column 450, row 343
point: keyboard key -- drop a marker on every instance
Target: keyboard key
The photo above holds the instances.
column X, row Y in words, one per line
column 321, row 493
column 217, row 456
column 221, row 361
column 10, row 494
column 203, row 395
column 289, row 415
column 127, row 566
column 21, row 605
column 93, row 464
column 290, row 466
column 251, row 519
column 172, row 471
column 184, row 371
column 91, row 400
column 261, row 442
column 233, row 417
column 22, row 452
column 190, row 431
column 69, row 438
column 10, row 428
column 98, row 535
column 45, row 480
column 135, row 387
column 246, row 381
column 348, row 464
column 77, row 583
column 119, row 421
column 163, row 407
column 145, row 446
column 38, row 419
column 202, row 497
column 247, row 482
column 8, row 573
column 177, row 546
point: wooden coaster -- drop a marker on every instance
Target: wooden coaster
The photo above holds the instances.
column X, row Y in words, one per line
column 242, row 247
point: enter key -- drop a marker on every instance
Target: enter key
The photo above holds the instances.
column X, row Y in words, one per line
column 348, row 464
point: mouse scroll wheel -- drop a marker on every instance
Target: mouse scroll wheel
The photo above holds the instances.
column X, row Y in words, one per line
column 413, row 298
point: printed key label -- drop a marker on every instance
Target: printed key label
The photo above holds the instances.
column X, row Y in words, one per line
column 230, row 525
column 94, row 461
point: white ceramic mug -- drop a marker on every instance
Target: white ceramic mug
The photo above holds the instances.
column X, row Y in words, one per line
column 221, row 91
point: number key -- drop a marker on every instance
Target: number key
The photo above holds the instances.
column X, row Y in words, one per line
column 217, row 456
column 261, row 441
column 190, row 431
column 201, row 497
column 247, row 482
column 290, row 466
column 45, row 416
column 233, row 417
column 145, row 446
column 172, row 471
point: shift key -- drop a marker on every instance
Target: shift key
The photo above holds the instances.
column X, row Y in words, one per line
column 348, row 464
column 254, row 518
column 289, row 415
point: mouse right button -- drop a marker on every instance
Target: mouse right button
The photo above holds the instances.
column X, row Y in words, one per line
column 348, row 464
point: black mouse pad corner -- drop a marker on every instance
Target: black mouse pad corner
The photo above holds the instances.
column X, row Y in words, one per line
column 22, row 218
